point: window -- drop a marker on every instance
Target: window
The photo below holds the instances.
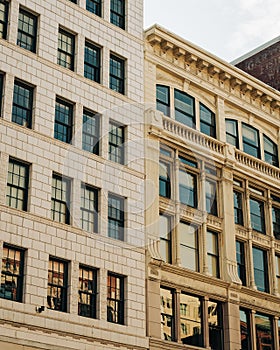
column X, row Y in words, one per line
column 238, row 212
column 115, row 217
column 22, row 104
column 264, row 332
column 117, row 74
column 89, row 208
column 63, row 121
column 90, row 132
column 187, row 183
column 260, row 269
column 17, row 184
column 117, row 11
column 66, row 49
column 12, row 273
column 27, row 30
column 163, row 99
column 276, row 221
column 232, row 132
column 94, row 6
column 92, row 62
column 190, row 318
column 87, row 292
column 211, row 197
column 60, row 199
column 116, row 143
column 4, row 9
column 240, row 259
column 57, row 285
column 188, row 245
column 74, row 1
column 1, row 87
column 207, row 121
column 277, row 269
column 184, row 108
column 251, row 143
column 167, row 314
column 164, row 180
column 115, row 298
column 257, row 215
column 245, row 330
column 165, row 238
column 213, row 253
column 270, row 151
column 215, row 323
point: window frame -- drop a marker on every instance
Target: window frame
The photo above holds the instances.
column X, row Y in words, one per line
column 4, row 23
column 274, row 156
column 277, row 271
column 275, row 216
column 93, row 213
column 165, row 239
column 165, row 315
column 269, row 318
column 118, row 17
column 218, row 328
column 189, row 116
column 61, row 202
column 119, row 301
column 63, row 288
column 238, row 210
column 213, row 255
column 241, row 261
column 118, row 156
column 95, row 67
column 117, row 81
column 93, row 145
column 211, row 199
column 94, row 6
column 261, row 215
column 204, row 123
column 119, row 234
column 165, row 182
column 17, row 294
column 250, row 144
column 66, row 136
column 230, row 135
column 91, row 296
column 248, row 334
column 64, row 53
column 26, row 109
column 162, row 105
column 10, row 186
column 21, row 33
column 264, row 271
column 189, row 248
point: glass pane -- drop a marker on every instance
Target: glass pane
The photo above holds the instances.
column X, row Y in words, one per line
column 244, row 330
column 166, row 297
column 264, row 332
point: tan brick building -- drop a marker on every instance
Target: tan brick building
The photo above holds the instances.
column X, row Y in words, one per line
column 71, row 203
column 213, row 221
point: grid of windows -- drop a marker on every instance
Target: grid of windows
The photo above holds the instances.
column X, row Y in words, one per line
column 163, row 99
column 66, row 49
column 17, row 184
column 212, row 246
column 165, row 238
column 94, row 6
column 257, row 215
column 240, row 259
column 115, row 217
column 116, row 143
column 12, row 273
column 89, row 208
column 117, row 13
column 117, row 74
column 115, row 298
column 91, row 123
column 260, row 269
column 63, row 123
column 27, row 30
column 188, row 246
column 57, row 285
column 60, row 199
column 92, row 62
column 4, row 8
column 87, row 292
column 207, row 121
column 232, row 132
column 22, row 104
column 184, row 108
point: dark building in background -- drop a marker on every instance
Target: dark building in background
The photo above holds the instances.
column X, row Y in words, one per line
column 263, row 63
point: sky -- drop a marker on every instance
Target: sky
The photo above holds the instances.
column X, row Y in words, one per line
column 225, row 28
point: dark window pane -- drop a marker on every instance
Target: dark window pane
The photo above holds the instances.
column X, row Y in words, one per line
column 94, row 6
column 12, row 273
column 207, row 121
column 240, row 258
column 167, row 314
column 87, row 292
column 211, row 197
column 92, row 62
column 90, row 141
column 215, row 323
column 117, row 13
column 187, row 188
column 116, row 143
column 57, row 285
column 116, row 217
column 22, row 104
column 257, row 215
column 276, row 221
column 238, row 212
column 27, row 30
column 245, row 330
column 260, row 269
column 164, row 180
column 4, row 9
column 63, row 121
column 264, row 332
column 184, row 108
column 17, row 185
column 115, row 298
column 66, row 47
column 89, row 208
column 117, row 74
column 163, row 99
column 250, row 137
column 232, row 132
column 212, row 247
column 270, row 151
column 60, row 199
